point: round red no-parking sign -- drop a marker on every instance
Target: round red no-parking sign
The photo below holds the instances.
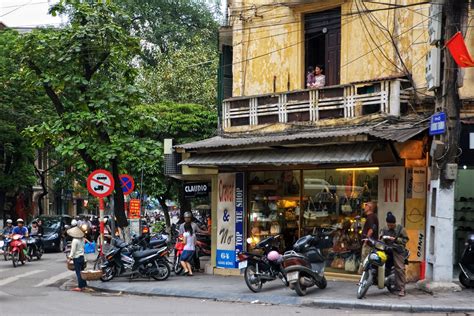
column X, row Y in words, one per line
column 100, row 183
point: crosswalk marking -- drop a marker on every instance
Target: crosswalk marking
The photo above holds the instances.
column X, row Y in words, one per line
column 55, row 279
column 17, row 277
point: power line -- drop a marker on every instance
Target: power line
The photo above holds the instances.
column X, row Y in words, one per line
column 348, row 13
column 19, row 7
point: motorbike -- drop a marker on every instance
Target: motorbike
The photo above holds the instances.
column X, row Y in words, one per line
column 377, row 268
column 261, row 268
column 466, row 276
column 17, row 253
column 125, row 260
column 34, row 247
column 304, row 265
column 5, row 246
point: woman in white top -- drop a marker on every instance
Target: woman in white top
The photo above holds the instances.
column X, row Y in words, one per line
column 77, row 255
column 319, row 78
column 189, row 248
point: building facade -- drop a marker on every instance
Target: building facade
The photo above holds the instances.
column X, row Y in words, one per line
column 292, row 158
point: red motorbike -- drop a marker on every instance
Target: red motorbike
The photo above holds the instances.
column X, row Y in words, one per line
column 17, row 247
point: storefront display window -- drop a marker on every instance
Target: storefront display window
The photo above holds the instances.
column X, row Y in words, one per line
column 274, row 206
column 333, row 200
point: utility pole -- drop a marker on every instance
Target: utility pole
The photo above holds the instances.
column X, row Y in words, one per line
column 440, row 223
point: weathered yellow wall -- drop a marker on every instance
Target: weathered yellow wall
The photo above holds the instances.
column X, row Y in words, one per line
column 269, row 42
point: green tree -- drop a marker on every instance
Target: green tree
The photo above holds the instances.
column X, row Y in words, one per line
column 152, row 123
column 166, row 25
column 20, row 106
column 85, row 69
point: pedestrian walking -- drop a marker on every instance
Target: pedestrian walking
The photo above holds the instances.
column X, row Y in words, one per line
column 396, row 236
column 189, row 240
column 77, row 255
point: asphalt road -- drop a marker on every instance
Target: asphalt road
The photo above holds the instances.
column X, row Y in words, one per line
column 38, row 288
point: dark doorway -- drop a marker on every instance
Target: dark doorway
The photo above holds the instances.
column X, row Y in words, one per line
column 323, row 43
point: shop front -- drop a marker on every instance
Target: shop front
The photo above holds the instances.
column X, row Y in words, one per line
column 293, row 192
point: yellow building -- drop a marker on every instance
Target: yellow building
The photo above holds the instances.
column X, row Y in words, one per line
column 311, row 157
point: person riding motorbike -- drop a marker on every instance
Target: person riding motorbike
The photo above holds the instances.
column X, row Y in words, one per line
column 197, row 230
column 20, row 229
column 37, row 231
column 396, row 236
column 7, row 230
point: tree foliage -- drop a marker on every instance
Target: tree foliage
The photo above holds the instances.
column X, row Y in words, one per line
column 167, row 25
column 85, row 70
column 22, row 104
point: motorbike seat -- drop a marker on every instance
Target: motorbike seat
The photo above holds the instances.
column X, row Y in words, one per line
column 157, row 242
column 144, row 253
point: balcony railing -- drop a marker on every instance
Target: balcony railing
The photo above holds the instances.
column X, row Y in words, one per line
column 312, row 105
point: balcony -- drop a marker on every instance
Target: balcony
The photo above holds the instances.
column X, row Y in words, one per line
column 386, row 95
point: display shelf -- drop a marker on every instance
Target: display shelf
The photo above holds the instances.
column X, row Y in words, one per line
column 263, row 187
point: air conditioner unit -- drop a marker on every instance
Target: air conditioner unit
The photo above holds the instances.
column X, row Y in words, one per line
column 433, row 65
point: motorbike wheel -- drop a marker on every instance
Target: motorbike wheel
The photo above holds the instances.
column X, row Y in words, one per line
column 30, row 254
column 366, row 282
column 177, row 267
column 107, row 274
column 465, row 281
column 300, row 289
column 5, row 255
column 256, row 284
column 163, row 272
column 15, row 259
column 322, row 284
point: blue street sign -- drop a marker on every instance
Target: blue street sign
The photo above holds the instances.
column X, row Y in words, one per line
column 438, row 124
column 127, row 183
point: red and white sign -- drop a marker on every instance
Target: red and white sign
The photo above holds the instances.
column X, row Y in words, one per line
column 100, row 183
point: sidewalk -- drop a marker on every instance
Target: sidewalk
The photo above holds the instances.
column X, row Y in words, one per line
column 338, row 294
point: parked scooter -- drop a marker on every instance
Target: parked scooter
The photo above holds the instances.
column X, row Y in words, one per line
column 17, row 250
column 34, row 247
column 304, row 265
column 125, row 260
column 466, row 276
column 375, row 269
column 261, row 268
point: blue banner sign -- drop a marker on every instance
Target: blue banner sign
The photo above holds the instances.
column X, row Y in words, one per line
column 438, row 124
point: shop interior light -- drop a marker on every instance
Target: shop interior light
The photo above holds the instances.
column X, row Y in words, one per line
column 357, row 169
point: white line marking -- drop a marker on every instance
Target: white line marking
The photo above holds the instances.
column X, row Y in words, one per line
column 55, row 279
column 17, row 277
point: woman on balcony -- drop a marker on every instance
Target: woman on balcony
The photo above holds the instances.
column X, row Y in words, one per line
column 319, row 78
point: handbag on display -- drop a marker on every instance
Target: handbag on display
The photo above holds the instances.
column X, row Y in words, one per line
column 275, row 229
column 351, row 264
column 337, row 263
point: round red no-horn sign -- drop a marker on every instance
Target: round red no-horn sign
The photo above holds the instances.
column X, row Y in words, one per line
column 100, row 183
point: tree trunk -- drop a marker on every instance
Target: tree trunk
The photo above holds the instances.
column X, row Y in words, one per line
column 119, row 202
column 2, row 205
column 42, row 177
column 162, row 201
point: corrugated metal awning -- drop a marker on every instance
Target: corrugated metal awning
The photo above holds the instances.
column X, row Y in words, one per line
column 317, row 155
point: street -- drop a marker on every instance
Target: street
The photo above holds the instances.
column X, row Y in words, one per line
column 41, row 288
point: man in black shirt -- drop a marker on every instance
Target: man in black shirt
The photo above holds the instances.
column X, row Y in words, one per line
column 370, row 230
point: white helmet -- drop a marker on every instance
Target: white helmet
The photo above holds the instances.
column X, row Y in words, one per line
column 20, row 220
column 73, row 223
column 9, row 221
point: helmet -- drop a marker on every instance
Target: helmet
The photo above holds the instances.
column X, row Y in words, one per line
column 382, row 255
column 273, row 255
column 470, row 239
column 20, row 220
column 378, row 258
column 74, row 223
column 188, row 214
column 9, row 221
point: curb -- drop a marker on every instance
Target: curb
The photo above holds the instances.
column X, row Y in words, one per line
column 290, row 300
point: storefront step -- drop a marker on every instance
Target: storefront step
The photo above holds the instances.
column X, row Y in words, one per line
column 334, row 276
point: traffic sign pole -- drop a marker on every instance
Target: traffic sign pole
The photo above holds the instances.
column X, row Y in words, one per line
column 102, row 224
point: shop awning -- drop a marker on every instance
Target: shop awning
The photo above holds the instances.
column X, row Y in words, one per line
column 316, row 155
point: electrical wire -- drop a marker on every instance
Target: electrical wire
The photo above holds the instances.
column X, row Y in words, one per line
column 18, row 8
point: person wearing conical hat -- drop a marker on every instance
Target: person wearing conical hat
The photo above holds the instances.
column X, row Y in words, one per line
column 77, row 255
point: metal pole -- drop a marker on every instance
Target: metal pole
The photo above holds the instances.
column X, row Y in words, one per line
column 101, row 212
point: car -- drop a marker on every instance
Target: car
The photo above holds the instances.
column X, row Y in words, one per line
column 54, row 227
